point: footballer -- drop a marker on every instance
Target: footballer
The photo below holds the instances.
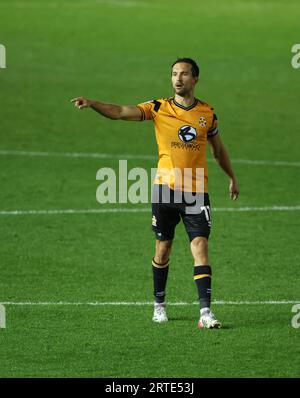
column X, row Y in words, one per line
column 184, row 125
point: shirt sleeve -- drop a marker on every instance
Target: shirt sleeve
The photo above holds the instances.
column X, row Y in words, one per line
column 213, row 130
column 147, row 110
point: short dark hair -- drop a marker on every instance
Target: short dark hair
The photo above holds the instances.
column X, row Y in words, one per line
column 195, row 67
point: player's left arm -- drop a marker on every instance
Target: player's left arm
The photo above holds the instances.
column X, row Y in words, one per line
column 221, row 155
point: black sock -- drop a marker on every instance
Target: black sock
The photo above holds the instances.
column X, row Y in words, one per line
column 202, row 277
column 160, row 275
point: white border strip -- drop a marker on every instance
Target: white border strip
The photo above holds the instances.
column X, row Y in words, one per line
column 134, row 156
column 137, row 210
column 144, row 303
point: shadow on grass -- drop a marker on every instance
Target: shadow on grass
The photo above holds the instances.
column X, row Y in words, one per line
column 185, row 318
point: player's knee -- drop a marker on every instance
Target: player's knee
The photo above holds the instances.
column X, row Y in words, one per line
column 199, row 247
column 200, row 243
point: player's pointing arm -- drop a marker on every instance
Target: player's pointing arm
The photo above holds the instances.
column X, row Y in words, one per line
column 111, row 111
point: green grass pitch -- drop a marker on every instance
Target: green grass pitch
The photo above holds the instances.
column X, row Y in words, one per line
column 121, row 51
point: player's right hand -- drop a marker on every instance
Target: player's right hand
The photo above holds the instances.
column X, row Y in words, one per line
column 81, row 102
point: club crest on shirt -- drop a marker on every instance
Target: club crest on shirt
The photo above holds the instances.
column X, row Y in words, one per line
column 202, row 121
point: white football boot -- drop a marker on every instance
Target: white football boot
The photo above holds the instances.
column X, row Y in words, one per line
column 160, row 314
column 208, row 321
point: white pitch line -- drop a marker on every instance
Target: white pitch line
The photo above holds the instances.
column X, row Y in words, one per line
column 121, row 3
column 137, row 210
column 266, row 162
column 144, row 303
column 262, row 208
column 77, row 155
column 72, row 211
column 135, row 156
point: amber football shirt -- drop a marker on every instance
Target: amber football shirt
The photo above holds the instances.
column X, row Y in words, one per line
column 181, row 136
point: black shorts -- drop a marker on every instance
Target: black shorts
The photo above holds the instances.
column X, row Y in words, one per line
column 168, row 207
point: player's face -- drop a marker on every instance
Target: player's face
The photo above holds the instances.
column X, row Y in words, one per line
column 183, row 80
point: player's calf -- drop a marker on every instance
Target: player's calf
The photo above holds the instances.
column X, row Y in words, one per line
column 202, row 277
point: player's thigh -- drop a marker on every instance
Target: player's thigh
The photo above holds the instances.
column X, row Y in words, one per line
column 198, row 224
column 164, row 221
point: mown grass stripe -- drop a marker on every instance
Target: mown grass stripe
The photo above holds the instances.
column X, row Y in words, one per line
column 254, row 162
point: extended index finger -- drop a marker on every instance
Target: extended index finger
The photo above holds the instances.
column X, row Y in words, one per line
column 75, row 99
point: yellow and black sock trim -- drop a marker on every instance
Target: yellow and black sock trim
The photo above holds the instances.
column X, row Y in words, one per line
column 160, row 265
column 202, row 271
column 202, row 277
